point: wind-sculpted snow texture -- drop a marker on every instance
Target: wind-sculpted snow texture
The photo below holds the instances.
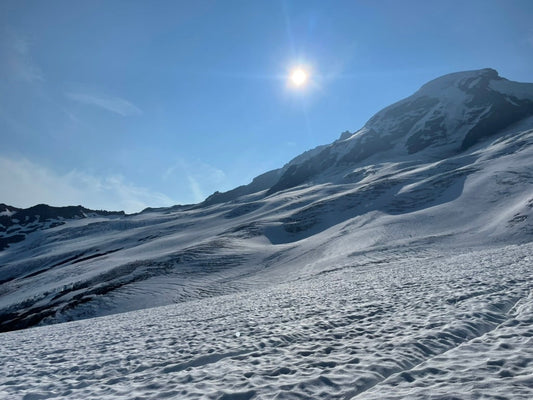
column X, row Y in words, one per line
column 393, row 263
column 388, row 325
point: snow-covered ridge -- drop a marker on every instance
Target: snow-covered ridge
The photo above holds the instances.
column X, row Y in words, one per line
column 16, row 223
column 465, row 79
column 443, row 118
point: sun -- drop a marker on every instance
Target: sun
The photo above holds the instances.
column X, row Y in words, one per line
column 299, row 77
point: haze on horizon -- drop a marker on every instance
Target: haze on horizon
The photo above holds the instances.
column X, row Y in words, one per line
column 124, row 105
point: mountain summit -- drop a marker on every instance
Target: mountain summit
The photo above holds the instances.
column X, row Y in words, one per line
column 443, row 118
column 454, row 112
column 446, row 168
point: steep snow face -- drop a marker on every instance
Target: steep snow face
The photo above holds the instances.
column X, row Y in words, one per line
column 454, row 112
column 446, row 116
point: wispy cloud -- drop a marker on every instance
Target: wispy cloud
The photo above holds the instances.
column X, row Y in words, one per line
column 202, row 178
column 195, row 189
column 25, row 183
column 116, row 105
column 16, row 58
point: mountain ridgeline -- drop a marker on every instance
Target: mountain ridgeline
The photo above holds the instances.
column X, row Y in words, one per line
column 448, row 167
column 16, row 223
column 445, row 117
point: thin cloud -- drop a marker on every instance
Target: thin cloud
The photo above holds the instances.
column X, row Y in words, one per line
column 115, row 105
column 195, row 189
column 201, row 178
column 25, row 183
column 16, row 59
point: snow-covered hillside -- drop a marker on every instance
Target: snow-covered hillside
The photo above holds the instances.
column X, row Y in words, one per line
column 16, row 223
column 383, row 265
column 401, row 323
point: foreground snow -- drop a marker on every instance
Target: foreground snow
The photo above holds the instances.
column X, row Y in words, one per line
column 388, row 324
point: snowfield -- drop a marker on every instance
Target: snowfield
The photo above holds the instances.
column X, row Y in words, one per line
column 426, row 325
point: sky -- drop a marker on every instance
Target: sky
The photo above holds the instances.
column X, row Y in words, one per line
column 121, row 105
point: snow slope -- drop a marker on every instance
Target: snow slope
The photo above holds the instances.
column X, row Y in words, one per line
column 392, row 324
column 392, row 263
column 16, row 223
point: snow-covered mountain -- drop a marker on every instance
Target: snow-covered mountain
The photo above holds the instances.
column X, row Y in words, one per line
column 449, row 166
column 445, row 117
column 393, row 263
column 16, row 223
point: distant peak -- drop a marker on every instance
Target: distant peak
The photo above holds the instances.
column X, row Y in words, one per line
column 345, row 135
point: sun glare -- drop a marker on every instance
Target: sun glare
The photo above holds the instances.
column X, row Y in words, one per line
column 299, row 77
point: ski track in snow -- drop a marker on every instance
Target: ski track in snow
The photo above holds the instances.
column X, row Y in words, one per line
column 416, row 326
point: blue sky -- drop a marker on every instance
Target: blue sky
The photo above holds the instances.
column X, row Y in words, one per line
column 128, row 104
